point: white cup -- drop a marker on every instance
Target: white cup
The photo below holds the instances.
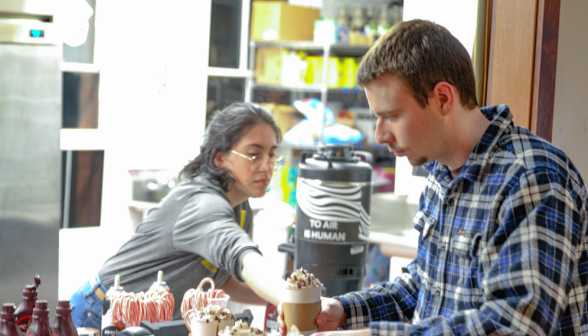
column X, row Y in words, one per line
column 203, row 327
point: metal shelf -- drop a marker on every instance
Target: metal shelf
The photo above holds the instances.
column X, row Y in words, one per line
column 339, row 49
column 228, row 72
column 81, row 139
column 79, row 67
column 304, row 88
column 327, row 51
column 371, row 147
column 299, row 45
column 354, row 90
column 350, row 50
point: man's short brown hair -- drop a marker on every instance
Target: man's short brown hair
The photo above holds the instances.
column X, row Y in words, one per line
column 422, row 54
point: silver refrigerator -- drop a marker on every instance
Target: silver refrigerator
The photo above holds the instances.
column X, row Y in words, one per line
column 30, row 156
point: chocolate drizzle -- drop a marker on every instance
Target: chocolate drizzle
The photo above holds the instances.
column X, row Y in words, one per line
column 302, row 278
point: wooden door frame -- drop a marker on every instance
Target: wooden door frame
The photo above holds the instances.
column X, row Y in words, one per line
column 546, row 41
column 541, row 78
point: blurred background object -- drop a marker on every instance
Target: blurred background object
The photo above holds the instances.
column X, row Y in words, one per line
column 30, row 162
column 137, row 93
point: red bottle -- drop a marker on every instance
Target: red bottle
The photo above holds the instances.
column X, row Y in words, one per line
column 24, row 311
column 40, row 324
column 8, row 325
column 63, row 324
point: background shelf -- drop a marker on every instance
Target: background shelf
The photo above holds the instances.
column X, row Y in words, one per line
column 304, row 88
column 338, row 49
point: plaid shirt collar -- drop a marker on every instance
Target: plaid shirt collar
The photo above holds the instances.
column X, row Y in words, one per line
column 500, row 123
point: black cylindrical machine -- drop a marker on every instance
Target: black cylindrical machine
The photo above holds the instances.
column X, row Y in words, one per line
column 333, row 196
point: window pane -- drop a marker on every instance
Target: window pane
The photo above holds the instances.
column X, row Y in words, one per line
column 82, row 171
column 85, row 52
column 221, row 92
column 225, row 33
column 80, row 99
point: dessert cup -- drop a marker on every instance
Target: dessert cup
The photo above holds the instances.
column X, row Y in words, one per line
column 301, row 306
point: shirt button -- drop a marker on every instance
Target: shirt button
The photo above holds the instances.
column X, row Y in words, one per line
column 450, row 202
column 89, row 314
column 437, row 292
column 443, row 247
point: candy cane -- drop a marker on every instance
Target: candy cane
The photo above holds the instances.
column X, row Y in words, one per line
column 189, row 313
column 185, row 307
column 153, row 306
column 199, row 297
column 164, row 303
column 167, row 306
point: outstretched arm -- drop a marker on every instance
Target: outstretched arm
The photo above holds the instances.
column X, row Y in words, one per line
column 257, row 276
column 242, row 293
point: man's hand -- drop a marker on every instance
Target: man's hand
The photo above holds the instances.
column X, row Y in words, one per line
column 331, row 317
column 281, row 324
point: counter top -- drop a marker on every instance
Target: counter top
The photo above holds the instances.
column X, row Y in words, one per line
column 391, row 225
column 402, row 244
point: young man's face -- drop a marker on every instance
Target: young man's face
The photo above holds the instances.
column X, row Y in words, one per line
column 403, row 125
column 259, row 140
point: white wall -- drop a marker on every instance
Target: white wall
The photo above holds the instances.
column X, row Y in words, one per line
column 459, row 17
column 570, row 119
column 153, row 59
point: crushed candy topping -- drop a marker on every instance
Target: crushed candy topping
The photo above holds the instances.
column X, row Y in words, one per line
column 241, row 328
column 294, row 331
column 214, row 312
column 301, row 278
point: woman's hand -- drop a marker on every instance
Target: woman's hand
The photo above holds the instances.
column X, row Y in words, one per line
column 331, row 317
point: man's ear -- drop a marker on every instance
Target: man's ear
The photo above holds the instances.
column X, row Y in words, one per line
column 219, row 159
column 445, row 95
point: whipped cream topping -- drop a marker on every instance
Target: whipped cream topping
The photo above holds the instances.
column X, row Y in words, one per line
column 300, row 278
column 294, row 331
column 241, row 328
column 214, row 313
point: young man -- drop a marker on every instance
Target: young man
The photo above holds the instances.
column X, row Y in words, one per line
column 502, row 220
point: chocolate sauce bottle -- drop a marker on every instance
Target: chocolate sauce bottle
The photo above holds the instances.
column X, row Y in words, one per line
column 40, row 324
column 8, row 325
column 24, row 311
column 63, row 324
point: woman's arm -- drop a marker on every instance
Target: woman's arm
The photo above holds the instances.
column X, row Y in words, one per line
column 242, row 293
column 258, row 277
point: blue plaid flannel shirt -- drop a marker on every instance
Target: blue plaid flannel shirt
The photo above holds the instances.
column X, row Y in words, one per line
column 502, row 247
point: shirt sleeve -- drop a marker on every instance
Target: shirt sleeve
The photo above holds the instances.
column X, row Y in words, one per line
column 393, row 301
column 526, row 269
column 207, row 227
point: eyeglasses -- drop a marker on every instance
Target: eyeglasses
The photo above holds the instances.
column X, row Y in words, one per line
column 259, row 161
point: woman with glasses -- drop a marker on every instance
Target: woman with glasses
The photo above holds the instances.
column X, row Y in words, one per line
column 202, row 227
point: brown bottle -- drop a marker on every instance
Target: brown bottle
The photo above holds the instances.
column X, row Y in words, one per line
column 24, row 311
column 8, row 325
column 63, row 324
column 40, row 324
